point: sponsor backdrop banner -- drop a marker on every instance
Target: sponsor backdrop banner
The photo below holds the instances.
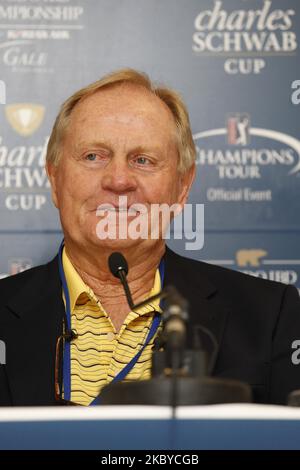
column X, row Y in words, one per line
column 236, row 64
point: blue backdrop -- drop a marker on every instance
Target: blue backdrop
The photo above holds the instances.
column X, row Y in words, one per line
column 236, row 63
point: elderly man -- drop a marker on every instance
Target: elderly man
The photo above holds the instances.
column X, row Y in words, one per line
column 67, row 326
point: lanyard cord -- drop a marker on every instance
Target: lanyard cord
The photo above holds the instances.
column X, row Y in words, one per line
column 68, row 334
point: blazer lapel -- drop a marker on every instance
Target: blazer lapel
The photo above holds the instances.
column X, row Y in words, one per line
column 206, row 309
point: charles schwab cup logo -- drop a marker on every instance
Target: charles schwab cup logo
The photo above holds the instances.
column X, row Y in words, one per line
column 25, row 118
column 245, row 36
column 23, row 180
column 247, row 151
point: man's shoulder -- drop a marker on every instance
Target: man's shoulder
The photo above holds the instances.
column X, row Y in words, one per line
column 36, row 276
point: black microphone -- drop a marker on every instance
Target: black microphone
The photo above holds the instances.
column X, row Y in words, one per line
column 119, row 268
column 175, row 317
column 117, row 264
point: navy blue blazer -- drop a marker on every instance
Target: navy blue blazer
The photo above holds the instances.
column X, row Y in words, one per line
column 255, row 322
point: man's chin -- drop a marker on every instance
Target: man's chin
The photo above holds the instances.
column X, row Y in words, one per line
column 119, row 243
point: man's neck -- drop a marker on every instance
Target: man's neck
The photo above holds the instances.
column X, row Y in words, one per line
column 92, row 266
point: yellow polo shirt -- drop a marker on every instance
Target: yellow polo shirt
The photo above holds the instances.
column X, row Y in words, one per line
column 100, row 353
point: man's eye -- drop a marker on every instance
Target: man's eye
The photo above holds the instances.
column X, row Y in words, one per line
column 98, row 157
column 91, row 157
column 142, row 160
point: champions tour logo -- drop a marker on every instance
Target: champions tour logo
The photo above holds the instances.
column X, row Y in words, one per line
column 262, row 30
column 246, row 152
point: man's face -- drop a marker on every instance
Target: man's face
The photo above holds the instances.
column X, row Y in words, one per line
column 120, row 142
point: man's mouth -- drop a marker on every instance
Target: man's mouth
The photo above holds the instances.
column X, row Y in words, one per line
column 105, row 209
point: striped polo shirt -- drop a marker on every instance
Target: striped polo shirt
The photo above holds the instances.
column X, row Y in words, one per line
column 99, row 353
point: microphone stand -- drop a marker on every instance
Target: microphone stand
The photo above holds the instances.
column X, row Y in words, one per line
column 179, row 376
column 174, row 319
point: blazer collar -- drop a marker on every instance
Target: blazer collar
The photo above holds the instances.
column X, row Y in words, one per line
column 207, row 308
column 46, row 281
column 42, row 285
column 183, row 273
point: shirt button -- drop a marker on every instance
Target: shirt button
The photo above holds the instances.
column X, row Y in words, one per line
column 110, row 336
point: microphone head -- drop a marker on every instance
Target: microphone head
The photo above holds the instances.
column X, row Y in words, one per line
column 175, row 298
column 117, row 263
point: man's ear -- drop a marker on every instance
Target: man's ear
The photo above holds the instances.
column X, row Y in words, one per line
column 186, row 181
column 51, row 171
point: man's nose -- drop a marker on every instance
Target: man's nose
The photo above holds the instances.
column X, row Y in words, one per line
column 118, row 177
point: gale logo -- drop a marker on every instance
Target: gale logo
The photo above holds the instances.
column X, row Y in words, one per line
column 25, row 118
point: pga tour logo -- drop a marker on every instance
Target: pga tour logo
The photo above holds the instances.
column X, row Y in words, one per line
column 238, row 129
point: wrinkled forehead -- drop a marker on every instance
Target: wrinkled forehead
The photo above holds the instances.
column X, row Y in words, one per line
column 124, row 105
